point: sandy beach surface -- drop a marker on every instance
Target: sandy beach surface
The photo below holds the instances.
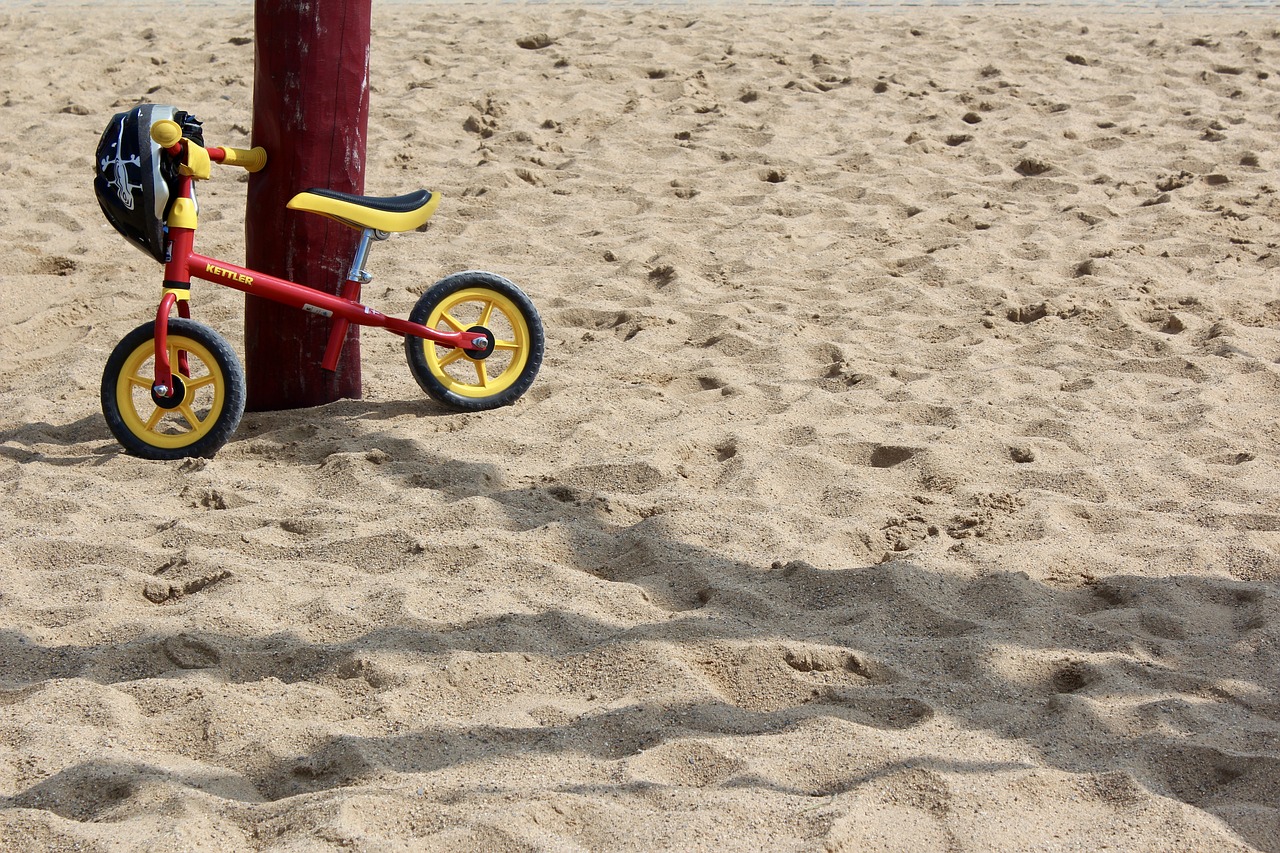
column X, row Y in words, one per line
column 902, row 475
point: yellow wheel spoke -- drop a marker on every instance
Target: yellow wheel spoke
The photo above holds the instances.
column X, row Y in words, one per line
column 482, row 374
column 140, row 381
column 454, row 355
column 154, row 419
column 507, row 345
column 486, row 314
column 190, row 415
column 193, row 384
column 453, row 324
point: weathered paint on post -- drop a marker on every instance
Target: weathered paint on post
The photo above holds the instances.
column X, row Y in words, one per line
column 311, row 114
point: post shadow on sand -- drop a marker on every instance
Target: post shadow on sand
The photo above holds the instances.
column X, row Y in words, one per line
column 895, row 644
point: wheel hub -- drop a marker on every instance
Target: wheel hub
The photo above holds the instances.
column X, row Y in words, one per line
column 175, row 397
column 489, row 340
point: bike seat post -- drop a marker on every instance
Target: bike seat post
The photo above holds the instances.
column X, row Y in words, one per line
column 356, row 276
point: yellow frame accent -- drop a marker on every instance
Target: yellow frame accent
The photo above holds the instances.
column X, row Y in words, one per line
column 183, row 214
column 198, row 164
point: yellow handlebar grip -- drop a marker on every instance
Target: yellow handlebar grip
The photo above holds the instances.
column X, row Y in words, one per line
column 251, row 161
column 166, row 133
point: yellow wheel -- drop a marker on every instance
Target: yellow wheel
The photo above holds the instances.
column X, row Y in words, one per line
column 487, row 304
column 207, row 401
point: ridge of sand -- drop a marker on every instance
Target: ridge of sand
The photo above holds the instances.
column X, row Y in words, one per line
column 902, row 474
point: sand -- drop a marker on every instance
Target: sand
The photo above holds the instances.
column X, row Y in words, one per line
column 902, row 473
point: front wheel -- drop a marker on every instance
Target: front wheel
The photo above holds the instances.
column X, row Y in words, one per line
column 487, row 304
column 204, row 409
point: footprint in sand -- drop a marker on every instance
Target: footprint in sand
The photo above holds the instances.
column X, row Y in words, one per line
column 179, row 577
column 629, row 478
column 685, row 764
column 891, row 455
column 188, row 652
column 891, row 712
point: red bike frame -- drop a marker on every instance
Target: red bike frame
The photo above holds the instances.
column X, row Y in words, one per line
column 344, row 309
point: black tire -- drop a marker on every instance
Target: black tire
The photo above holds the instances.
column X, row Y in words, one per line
column 203, row 413
column 491, row 303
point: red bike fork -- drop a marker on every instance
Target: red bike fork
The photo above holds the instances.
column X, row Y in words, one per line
column 164, row 370
column 177, row 286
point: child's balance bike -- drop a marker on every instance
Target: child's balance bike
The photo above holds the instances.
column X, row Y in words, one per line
column 174, row 388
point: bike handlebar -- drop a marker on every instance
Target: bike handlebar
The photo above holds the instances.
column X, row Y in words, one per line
column 168, row 134
column 251, row 160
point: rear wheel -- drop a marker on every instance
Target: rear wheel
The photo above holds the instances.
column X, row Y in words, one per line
column 486, row 304
column 207, row 401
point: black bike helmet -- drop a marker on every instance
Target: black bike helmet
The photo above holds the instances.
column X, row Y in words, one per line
column 133, row 182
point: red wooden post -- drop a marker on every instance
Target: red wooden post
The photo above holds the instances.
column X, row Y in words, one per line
column 311, row 113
